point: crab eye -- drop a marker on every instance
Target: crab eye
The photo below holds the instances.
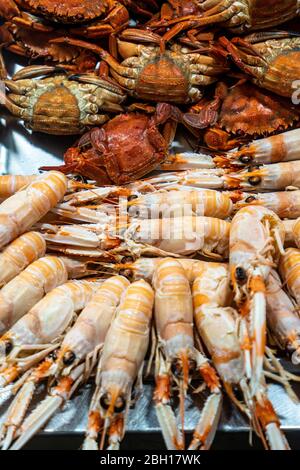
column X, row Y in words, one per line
column 69, row 358
column 245, row 159
column 254, row 180
column 8, row 346
column 250, row 199
column 240, row 275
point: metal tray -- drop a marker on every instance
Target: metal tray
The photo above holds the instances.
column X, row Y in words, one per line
column 22, row 152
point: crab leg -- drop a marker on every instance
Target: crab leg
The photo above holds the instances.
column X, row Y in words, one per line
column 111, row 61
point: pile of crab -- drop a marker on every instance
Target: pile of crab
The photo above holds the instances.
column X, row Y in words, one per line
column 188, row 275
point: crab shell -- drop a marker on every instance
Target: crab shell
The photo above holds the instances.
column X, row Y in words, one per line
column 176, row 76
column 124, row 149
column 263, row 14
column 248, row 111
column 67, row 11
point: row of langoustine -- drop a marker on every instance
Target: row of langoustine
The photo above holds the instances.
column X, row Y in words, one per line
column 114, row 329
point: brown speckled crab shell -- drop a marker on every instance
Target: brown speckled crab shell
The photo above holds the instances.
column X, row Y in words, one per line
column 67, row 11
column 248, row 110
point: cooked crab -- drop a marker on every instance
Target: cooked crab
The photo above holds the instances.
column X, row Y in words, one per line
column 58, row 103
column 21, row 40
column 124, row 149
column 60, row 11
column 176, row 75
column 271, row 59
column 91, row 18
column 241, row 113
column 237, row 15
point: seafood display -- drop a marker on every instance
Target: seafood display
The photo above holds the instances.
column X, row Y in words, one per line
column 157, row 263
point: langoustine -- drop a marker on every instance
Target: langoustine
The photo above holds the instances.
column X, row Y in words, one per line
column 289, row 268
column 256, row 242
column 38, row 332
column 273, row 177
column 179, row 236
column 120, row 365
column 144, row 268
column 11, row 184
column 167, row 204
column 286, row 204
column 275, row 149
column 216, row 324
column 177, row 358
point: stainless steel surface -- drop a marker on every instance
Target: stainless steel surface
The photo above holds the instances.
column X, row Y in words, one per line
column 22, row 152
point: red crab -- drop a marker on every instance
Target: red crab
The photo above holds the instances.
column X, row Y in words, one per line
column 241, row 112
column 22, row 41
column 271, row 59
column 126, row 148
column 63, row 11
column 238, row 15
column 177, row 75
